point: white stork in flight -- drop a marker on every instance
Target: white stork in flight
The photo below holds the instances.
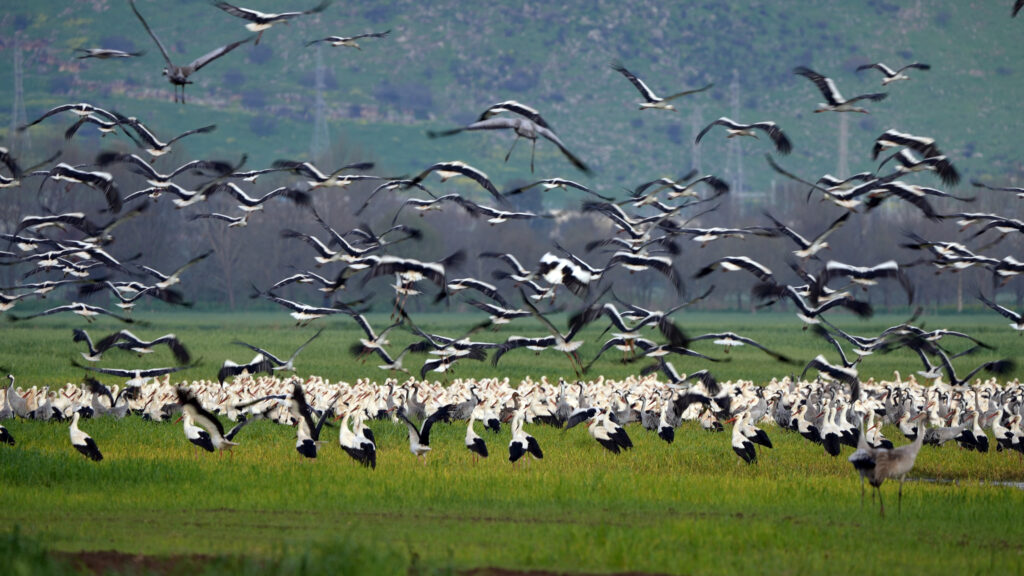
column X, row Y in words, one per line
column 652, row 100
column 260, row 21
column 834, row 101
column 782, row 143
column 894, row 75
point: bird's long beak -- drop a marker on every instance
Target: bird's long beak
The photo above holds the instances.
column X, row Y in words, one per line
column 180, row 418
column 731, row 420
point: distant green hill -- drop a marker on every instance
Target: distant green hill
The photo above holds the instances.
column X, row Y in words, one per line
column 444, row 62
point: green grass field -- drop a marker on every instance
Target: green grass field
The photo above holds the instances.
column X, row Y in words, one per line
column 688, row 507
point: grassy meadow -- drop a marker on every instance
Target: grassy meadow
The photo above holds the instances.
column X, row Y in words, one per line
column 689, row 507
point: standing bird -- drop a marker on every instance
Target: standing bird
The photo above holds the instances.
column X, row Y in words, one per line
column 522, row 443
column 260, row 21
column 834, row 101
column 893, row 75
column 83, row 442
column 743, row 447
column 5, row 436
column 782, row 143
column 178, row 75
column 474, row 443
column 895, row 463
column 652, row 100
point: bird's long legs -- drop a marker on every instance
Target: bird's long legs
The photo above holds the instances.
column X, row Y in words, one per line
column 514, row 142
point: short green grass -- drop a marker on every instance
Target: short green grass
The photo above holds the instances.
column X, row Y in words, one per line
column 689, row 507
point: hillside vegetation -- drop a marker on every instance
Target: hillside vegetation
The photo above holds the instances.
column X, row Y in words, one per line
column 444, row 63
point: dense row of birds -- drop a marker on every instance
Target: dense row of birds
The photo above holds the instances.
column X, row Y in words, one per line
column 640, row 234
column 829, row 414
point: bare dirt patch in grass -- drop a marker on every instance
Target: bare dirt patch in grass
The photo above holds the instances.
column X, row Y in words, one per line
column 112, row 561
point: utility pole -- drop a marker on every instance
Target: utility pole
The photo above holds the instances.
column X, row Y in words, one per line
column 320, row 142
column 843, row 168
column 18, row 117
column 734, row 154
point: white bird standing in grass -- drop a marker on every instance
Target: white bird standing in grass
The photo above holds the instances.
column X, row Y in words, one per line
column 743, row 447
column 82, row 441
column 5, row 436
column 474, row 443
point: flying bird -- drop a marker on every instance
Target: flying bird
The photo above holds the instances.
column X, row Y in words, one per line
column 101, row 181
column 782, row 143
column 179, row 75
column 893, row 75
column 419, row 439
column 523, row 128
column 553, row 183
column 834, row 101
column 448, row 170
column 105, row 53
column 260, row 21
column 1016, row 317
column 652, row 100
column 285, row 365
column 84, row 310
column 349, row 41
column 219, row 440
column 153, row 145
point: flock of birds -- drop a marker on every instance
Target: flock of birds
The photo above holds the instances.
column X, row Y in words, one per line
column 640, row 234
